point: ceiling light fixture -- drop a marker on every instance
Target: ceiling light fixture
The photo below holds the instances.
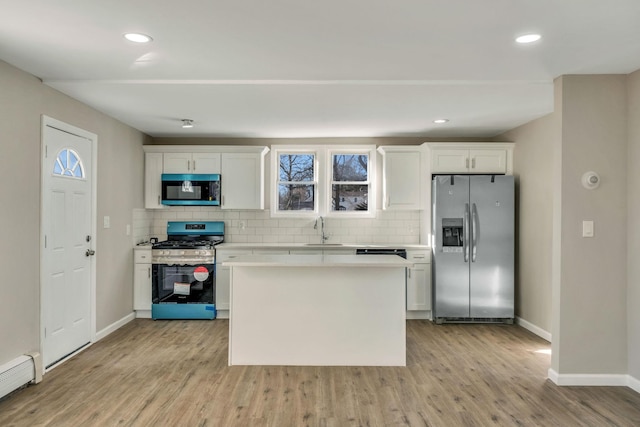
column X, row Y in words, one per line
column 528, row 38
column 440, row 121
column 138, row 37
column 187, row 124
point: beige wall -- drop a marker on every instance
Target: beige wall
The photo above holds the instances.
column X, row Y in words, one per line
column 633, row 229
column 593, row 273
column 577, row 288
column 533, row 169
column 120, row 179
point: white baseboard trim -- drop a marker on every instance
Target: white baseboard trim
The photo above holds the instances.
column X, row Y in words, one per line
column 419, row 315
column 115, row 326
column 634, row 384
column 143, row 314
column 607, row 380
column 533, row 328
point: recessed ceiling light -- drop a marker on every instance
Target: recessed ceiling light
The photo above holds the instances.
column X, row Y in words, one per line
column 440, row 121
column 187, row 124
column 528, row 38
column 138, row 37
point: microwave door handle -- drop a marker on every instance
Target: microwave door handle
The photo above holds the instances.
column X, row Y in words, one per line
column 465, row 239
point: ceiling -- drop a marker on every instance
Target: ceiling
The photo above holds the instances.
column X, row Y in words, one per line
column 332, row 68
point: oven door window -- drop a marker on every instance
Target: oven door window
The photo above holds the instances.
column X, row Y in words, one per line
column 183, row 284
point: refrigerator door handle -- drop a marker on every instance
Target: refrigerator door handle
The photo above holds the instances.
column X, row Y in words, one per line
column 474, row 231
column 465, row 240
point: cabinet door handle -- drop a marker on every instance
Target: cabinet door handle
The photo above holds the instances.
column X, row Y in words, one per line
column 159, row 201
column 466, row 162
column 222, row 201
column 473, row 163
column 149, row 272
column 194, row 165
column 408, row 273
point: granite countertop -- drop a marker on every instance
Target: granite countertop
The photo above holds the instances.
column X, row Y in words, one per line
column 317, row 261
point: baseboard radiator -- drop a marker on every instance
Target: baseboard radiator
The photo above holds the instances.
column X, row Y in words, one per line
column 19, row 372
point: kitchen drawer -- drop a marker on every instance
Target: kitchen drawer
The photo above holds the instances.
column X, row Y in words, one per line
column 419, row 257
column 142, row 256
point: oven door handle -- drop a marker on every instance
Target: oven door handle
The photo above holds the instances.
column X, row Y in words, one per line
column 182, row 261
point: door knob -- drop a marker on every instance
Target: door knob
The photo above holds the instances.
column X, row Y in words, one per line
column 90, row 252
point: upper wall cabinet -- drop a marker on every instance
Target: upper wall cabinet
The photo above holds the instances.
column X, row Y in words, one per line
column 401, row 178
column 152, row 183
column 241, row 170
column 474, row 158
column 191, row 163
column 243, row 180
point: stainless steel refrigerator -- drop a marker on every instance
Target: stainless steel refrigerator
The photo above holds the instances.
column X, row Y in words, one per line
column 472, row 244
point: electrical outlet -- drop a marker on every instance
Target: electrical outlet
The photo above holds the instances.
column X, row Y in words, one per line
column 106, row 222
column 128, row 229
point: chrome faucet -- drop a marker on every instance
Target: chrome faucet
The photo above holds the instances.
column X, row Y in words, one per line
column 324, row 236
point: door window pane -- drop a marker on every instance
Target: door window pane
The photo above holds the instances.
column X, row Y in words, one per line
column 68, row 164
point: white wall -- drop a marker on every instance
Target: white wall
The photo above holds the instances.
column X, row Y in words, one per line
column 120, row 178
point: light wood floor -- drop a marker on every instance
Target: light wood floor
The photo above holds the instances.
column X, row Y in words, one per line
column 175, row 373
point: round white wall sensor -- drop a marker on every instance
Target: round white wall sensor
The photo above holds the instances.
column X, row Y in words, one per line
column 590, row 180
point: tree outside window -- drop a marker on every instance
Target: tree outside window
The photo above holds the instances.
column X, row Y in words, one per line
column 350, row 182
column 296, row 182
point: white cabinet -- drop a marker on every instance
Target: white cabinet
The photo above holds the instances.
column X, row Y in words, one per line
column 152, row 182
column 419, row 281
column 191, row 162
column 401, row 179
column 142, row 282
column 471, row 158
column 243, row 180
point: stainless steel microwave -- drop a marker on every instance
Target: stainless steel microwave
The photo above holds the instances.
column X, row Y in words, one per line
column 190, row 189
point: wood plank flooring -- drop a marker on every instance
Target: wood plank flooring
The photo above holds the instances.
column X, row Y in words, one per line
column 175, row 373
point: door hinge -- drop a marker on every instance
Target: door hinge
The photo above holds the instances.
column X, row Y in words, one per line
column 45, row 242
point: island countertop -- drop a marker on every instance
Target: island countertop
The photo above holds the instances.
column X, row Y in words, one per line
column 318, row 261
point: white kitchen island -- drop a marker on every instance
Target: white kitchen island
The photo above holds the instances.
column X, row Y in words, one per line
column 318, row 310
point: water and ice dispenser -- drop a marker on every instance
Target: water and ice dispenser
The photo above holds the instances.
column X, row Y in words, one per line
column 452, row 235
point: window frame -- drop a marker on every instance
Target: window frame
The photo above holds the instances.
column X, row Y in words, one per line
column 323, row 171
column 276, row 152
column 371, row 153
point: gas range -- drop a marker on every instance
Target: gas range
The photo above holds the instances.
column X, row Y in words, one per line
column 188, row 243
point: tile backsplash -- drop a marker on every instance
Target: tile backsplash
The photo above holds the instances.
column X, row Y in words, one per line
column 242, row 226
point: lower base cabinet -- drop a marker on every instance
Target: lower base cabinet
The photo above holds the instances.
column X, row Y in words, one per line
column 418, row 277
column 142, row 282
column 419, row 281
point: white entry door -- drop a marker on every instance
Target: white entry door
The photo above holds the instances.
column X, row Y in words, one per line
column 67, row 256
